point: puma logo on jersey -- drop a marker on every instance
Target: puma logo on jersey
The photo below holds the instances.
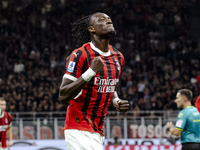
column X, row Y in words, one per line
column 75, row 54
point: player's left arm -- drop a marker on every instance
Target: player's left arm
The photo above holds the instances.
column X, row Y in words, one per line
column 174, row 130
column 119, row 104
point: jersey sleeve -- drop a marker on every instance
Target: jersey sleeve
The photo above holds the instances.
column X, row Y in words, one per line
column 181, row 120
column 197, row 103
column 75, row 65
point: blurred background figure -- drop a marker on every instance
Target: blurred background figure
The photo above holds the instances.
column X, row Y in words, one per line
column 188, row 121
column 5, row 123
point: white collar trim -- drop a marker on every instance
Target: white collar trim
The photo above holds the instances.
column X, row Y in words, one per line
column 99, row 51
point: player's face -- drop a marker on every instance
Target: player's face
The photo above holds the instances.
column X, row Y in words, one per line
column 179, row 100
column 102, row 25
column 3, row 106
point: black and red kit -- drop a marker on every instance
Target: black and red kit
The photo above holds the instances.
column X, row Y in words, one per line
column 88, row 109
column 5, row 123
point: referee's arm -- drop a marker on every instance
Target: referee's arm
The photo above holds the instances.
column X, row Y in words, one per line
column 174, row 130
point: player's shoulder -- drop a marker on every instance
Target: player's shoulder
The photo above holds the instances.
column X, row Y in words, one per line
column 82, row 49
column 115, row 51
column 190, row 109
column 181, row 114
column 79, row 52
column 194, row 110
column 7, row 114
column 185, row 112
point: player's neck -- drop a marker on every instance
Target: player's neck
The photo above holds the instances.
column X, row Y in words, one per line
column 187, row 104
column 102, row 44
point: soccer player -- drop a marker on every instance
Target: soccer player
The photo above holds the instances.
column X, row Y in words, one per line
column 5, row 123
column 92, row 74
column 188, row 121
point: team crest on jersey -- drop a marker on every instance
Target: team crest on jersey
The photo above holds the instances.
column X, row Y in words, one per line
column 118, row 66
column 71, row 66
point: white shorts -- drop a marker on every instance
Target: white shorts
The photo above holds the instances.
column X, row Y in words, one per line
column 83, row 140
column 3, row 148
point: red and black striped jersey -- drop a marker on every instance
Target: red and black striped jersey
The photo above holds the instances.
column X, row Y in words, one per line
column 5, row 122
column 88, row 109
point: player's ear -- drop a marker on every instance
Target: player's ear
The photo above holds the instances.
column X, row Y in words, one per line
column 91, row 29
column 185, row 98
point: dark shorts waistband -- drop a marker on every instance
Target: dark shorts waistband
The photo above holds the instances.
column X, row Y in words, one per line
column 191, row 146
column 190, row 143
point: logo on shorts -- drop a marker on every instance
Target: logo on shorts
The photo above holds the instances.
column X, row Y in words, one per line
column 71, row 66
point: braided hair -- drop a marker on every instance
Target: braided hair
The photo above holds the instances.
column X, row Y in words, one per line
column 80, row 29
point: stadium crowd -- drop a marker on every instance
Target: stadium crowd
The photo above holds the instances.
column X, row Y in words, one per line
column 154, row 37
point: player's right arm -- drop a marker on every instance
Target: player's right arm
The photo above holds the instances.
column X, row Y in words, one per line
column 70, row 89
column 180, row 124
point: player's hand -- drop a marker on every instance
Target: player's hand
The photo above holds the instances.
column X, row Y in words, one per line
column 123, row 106
column 10, row 143
column 0, row 144
column 97, row 64
column 169, row 124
